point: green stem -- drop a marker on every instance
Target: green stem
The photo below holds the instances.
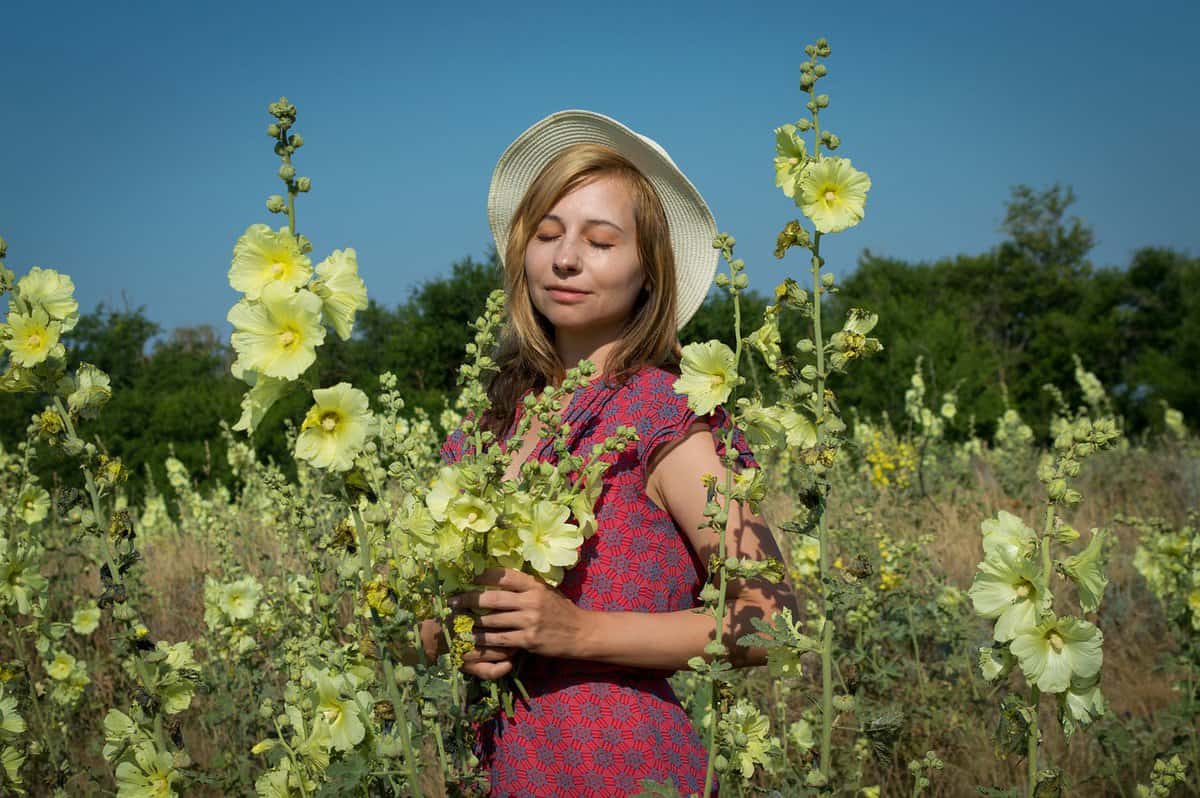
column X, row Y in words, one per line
column 722, row 585
column 1031, row 754
column 823, row 528
column 33, row 696
column 389, row 676
column 292, row 756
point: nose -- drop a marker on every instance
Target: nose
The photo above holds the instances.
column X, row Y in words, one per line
column 566, row 257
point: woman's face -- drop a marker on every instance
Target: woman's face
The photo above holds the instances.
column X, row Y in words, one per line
column 582, row 263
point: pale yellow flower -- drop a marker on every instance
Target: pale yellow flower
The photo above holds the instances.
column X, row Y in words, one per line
column 33, row 338
column 341, row 290
column 263, row 394
column 263, row 256
column 61, row 666
column 92, row 391
column 708, row 376
column 549, row 539
column 85, row 621
column 52, row 292
column 832, row 194
column 33, row 505
column 278, row 336
column 335, row 428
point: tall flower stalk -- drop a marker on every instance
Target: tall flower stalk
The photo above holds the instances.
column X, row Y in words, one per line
column 1057, row 655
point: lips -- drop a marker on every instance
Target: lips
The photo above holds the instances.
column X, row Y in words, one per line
column 567, row 296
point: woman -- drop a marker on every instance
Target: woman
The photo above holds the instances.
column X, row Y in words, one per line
column 607, row 251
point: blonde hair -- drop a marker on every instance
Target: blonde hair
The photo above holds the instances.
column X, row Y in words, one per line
column 526, row 354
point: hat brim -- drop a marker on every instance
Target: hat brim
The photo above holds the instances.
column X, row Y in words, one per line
column 691, row 223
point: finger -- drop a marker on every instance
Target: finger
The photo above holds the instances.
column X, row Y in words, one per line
column 488, row 654
column 486, row 600
column 488, row 670
column 506, row 578
column 502, row 620
column 506, row 639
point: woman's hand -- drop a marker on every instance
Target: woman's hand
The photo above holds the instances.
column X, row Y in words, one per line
column 487, row 662
column 525, row 613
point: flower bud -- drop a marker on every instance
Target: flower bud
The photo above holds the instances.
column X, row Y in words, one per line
column 303, row 184
column 1057, row 489
column 295, row 141
column 273, row 130
column 741, row 280
column 834, row 142
column 819, row 70
column 827, row 280
column 305, row 245
column 811, row 106
column 809, row 372
column 722, row 279
column 275, row 203
column 823, row 48
column 810, row 50
column 806, row 81
column 803, row 124
column 287, row 172
column 805, row 345
column 822, row 100
column 281, row 149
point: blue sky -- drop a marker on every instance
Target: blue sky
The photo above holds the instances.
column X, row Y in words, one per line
column 133, row 151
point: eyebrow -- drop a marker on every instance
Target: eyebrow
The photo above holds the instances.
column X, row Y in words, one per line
column 587, row 223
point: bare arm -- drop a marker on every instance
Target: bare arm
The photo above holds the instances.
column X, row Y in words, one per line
column 527, row 614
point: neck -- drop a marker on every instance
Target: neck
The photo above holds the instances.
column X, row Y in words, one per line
column 575, row 346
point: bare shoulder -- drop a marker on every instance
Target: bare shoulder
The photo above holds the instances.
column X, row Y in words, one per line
column 689, row 456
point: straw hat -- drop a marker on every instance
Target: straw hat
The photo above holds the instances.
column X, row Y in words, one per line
column 691, row 223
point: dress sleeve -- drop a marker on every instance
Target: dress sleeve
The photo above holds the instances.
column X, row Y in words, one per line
column 455, row 445
column 664, row 416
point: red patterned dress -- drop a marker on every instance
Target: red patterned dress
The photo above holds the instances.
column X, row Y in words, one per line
column 590, row 729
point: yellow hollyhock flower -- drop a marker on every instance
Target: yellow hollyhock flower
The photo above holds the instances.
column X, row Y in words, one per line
column 33, row 338
column 263, row 257
column 444, row 488
column 832, row 194
column 335, row 428
column 85, row 621
column 33, row 505
column 549, row 540
column 471, row 512
column 708, row 375
column 263, row 394
column 52, row 292
column 61, row 666
column 152, row 776
column 1057, row 651
column 278, row 336
column 341, row 290
column 92, row 391
column 346, row 729
column 790, row 157
column 239, row 599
